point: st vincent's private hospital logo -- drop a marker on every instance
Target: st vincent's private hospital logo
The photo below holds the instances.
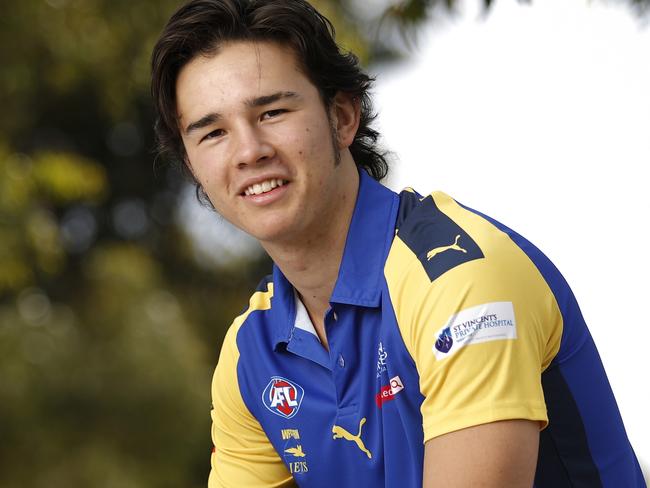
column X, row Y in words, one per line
column 283, row 397
column 487, row 322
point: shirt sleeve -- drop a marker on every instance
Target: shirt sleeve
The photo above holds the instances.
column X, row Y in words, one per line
column 242, row 454
column 480, row 334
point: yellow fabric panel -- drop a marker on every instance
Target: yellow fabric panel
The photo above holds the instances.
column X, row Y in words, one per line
column 243, row 455
column 481, row 382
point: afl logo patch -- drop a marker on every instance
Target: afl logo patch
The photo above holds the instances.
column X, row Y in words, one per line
column 283, row 397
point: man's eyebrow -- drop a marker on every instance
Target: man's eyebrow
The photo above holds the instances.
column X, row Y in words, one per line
column 267, row 99
column 204, row 121
column 213, row 117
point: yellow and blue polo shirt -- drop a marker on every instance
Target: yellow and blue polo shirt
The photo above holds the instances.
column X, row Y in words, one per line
column 441, row 319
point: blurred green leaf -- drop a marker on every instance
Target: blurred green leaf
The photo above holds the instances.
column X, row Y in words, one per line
column 68, row 177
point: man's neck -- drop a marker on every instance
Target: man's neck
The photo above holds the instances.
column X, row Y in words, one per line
column 313, row 272
column 312, row 264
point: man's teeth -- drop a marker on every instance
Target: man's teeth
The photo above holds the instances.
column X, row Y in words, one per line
column 265, row 186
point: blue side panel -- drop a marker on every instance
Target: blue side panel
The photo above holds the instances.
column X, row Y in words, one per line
column 577, row 374
column 564, row 456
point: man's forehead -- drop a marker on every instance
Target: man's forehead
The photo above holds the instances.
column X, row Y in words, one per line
column 266, row 60
column 237, row 72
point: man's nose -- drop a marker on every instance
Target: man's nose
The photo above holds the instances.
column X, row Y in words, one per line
column 252, row 147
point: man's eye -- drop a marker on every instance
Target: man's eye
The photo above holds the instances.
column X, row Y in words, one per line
column 212, row 135
column 269, row 114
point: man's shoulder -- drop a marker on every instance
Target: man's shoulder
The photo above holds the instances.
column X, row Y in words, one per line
column 259, row 301
column 442, row 248
column 435, row 234
column 450, row 263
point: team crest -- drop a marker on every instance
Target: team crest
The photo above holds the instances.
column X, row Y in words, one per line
column 282, row 397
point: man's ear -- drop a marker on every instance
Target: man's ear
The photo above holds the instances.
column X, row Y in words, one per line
column 346, row 111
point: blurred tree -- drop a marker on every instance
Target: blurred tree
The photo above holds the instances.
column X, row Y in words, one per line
column 110, row 324
column 413, row 12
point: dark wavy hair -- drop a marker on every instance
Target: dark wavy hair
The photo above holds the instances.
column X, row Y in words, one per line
column 200, row 27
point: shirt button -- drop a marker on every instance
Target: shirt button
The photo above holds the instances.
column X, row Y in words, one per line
column 341, row 361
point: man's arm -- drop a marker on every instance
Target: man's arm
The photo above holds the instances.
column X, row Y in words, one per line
column 492, row 455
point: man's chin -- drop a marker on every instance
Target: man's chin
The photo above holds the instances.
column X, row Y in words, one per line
column 270, row 233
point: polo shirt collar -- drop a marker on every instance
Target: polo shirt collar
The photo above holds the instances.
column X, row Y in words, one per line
column 370, row 235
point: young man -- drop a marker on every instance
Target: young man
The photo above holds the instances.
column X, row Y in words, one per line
column 401, row 340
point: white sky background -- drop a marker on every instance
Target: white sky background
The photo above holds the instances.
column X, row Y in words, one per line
column 539, row 116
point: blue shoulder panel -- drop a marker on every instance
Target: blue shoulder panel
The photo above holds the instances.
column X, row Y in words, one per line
column 431, row 234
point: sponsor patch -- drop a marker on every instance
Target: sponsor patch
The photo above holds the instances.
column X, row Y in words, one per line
column 294, row 453
column 290, row 434
column 381, row 360
column 488, row 322
column 282, row 397
column 298, row 467
column 388, row 392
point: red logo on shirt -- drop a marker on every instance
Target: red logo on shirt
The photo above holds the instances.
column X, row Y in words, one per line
column 282, row 397
column 388, row 392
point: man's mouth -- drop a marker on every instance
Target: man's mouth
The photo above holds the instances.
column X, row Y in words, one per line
column 264, row 186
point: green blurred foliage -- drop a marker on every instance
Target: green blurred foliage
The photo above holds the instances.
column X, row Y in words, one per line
column 109, row 325
column 30, row 240
column 109, row 332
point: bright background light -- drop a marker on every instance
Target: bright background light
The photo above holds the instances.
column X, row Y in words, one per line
column 539, row 116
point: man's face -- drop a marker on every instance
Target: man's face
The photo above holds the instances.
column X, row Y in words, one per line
column 259, row 140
